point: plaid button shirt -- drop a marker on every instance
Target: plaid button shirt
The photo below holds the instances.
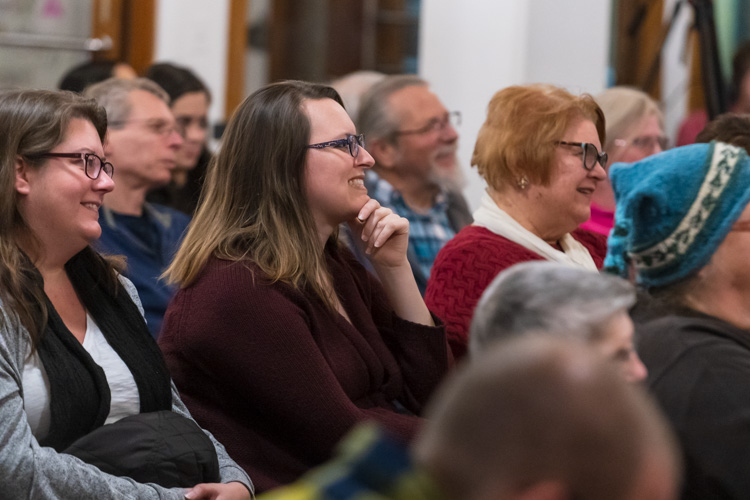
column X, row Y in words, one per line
column 428, row 232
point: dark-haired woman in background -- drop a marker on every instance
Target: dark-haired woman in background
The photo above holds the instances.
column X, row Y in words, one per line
column 189, row 102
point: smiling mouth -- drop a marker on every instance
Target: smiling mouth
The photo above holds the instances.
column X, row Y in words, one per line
column 357, row 182
column 91, row 206
column 586, row 191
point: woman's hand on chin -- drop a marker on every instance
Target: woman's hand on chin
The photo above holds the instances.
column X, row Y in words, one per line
column 383, row 234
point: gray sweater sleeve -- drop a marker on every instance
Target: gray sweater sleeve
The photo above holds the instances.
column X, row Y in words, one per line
column 31, row 471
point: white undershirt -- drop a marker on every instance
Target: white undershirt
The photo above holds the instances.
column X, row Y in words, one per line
column 125, row 398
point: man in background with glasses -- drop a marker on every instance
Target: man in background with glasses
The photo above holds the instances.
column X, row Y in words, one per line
column 413, row 139
column 142, row 142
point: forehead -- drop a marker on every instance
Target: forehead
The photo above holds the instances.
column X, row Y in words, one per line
column 415, row 104
column 328, row 119
column 145, row 105
column 193, row 103
column 81, row 134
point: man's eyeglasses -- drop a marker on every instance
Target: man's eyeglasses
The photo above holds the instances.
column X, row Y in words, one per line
column 434, row 125
column 160, row 127
column 590, row 155
column 645, row 143
column 93, row 165
column 353, row 142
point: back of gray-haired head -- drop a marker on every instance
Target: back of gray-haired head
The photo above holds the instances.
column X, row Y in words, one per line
column 548, row 298
column 113, row 94
column 376, row 120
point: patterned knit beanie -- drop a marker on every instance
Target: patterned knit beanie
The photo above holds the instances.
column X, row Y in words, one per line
column 674, row 209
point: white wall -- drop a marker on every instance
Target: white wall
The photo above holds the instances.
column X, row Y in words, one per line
column 193, row 33
column 469, row 49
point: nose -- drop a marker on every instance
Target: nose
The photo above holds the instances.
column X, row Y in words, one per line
column 598, row 172
column 635, row 370
column 448, row 133
column 103, row 183
column 175, row 139
column 364, row 159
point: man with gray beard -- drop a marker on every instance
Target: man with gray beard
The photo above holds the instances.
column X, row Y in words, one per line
column 412, row 138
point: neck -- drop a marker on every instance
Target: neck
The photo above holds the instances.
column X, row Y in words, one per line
column 125, row 200
column 418, row 194
column 520, row 206
column 724, row 303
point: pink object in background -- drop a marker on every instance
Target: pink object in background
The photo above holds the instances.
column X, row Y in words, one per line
column 53, row 8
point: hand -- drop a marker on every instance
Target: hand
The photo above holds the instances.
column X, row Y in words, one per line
column 218, row 491
column 384, row 234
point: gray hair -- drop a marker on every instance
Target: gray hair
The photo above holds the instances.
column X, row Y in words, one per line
column 623, row 107
column 352, row 86
column 376, row 118
column 114, row 95
column 548, row 298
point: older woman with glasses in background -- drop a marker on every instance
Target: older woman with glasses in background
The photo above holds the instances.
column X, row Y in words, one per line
column 540, row 153
column 635, row 130
column 278, row 339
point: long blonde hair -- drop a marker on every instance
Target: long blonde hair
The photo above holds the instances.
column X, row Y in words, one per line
column 253, row 204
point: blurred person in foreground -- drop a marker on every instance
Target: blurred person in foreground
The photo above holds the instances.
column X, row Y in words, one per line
column 279, row 340
column 635, row 130
column 540, row 152
column 547, row 298
column 529, row 419
column 682, row 231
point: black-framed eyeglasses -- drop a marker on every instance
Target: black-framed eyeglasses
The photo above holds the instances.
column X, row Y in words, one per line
column 590, row 154
column 434, row 125
column 353, row 142
column 93, row 165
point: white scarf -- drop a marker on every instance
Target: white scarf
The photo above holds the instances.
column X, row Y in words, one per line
column 497, row 220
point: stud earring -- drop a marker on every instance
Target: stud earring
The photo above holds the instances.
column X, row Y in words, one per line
column 523, row 183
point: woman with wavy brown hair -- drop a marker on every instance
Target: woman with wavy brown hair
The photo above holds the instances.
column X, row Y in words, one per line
column 76, row 357
column 279, row 340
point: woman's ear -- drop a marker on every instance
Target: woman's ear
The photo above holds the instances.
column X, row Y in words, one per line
column 22, row 171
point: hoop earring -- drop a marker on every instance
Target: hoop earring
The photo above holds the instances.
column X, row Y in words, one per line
column 523, row 183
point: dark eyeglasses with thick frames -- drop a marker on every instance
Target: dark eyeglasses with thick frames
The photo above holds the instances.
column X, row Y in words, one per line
column 591, row 155
column 93, row 165
column 353, row 142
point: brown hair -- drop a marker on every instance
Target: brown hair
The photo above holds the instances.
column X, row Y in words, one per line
column 523, row 122
column 253, row 204
column 33, row 122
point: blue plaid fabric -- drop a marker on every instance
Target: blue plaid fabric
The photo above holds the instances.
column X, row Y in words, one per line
column 428, row 232
column 370, row 466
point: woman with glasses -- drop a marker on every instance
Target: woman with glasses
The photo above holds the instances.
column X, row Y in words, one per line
column 279, row 340
column 635, row 130
column 540, row 152
column 75, row 352
column 189, row 99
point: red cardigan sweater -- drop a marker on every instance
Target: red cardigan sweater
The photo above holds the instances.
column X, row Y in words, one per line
column 278, row 379
column 468, row 263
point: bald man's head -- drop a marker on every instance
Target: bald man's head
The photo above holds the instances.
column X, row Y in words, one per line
column 546, row 418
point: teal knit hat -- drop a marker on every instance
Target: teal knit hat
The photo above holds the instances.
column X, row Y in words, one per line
column 674, row 209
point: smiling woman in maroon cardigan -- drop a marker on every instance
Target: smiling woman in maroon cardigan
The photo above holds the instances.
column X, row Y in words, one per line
column 278, row 340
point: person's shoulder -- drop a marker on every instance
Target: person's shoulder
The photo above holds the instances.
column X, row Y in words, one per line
column 167, row 216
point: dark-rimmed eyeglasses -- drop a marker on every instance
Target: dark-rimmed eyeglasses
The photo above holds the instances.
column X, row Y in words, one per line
column 93, row 165
column 590, row 154
column 435, row 125
column 353, row 142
